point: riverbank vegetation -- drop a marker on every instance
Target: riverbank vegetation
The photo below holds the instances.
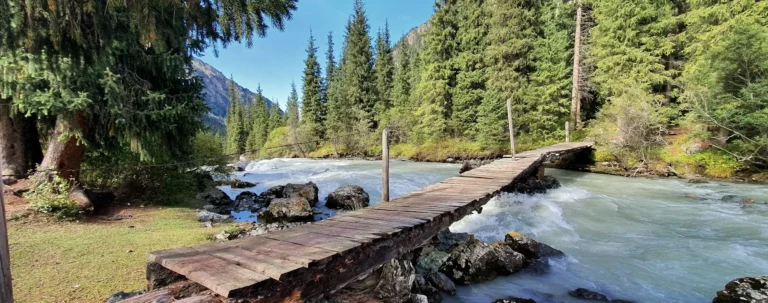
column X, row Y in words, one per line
column 662, row 86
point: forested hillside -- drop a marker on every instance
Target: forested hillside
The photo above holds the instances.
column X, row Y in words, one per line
column 671, row 86
column 216, row 94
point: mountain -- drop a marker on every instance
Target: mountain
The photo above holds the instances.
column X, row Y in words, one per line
column 217, row 94
column 412, row 37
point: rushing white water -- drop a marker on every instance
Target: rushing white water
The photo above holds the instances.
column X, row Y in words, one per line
column 647, row 240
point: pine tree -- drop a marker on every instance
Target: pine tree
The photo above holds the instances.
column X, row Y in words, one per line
column 275, row 118
column 549, row 96
column 293, row 120
column 384, row 70
column 400, row 116
column 312, row 112
column 358, row 82
column 511, row 35
column 235, row 121
column 260, row 124
column 437, row 75
column 118, row 71
column 467, row 94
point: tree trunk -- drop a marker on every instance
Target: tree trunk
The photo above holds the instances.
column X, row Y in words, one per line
column 19, row 141
column 65, row 154
column 576, row 90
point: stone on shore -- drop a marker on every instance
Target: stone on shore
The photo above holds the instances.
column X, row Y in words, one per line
column 430, row 260
column 743, row 290
column 248, row 201
column 208, row 216
column 420, row 286
column 215, row 197
column 350, row 197
column 442, row 282
column 274, row 192
column 296, row 209
column 446, row 239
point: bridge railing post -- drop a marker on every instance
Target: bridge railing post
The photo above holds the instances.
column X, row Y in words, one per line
column 6, row 290
column 567, row 133
column 511, row 128
column 385, row 165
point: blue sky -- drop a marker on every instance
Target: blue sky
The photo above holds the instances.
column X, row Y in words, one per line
column 278, row 59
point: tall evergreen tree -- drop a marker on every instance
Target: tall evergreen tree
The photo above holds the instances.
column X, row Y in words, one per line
column 122, row 68
column 358, row 82
column 312, row 110
column 260, row 124
column 511, row 34
column 467, row 94
column 384, row 70
column 292, row 109
column 437, row 75
column 235, row 121
column 275, row 118
column 549, row 96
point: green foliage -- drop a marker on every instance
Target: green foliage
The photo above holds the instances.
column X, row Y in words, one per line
column 208, row 150
column 384, row 71
column 312, row 106
column 467, row 93
column 357, row 87
column 273, row 148
column 259, row 123
column 237, row 134
column 52, row 198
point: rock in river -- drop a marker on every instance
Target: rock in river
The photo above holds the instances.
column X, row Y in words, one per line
column 743, row 290
column 295, row 209
column 586, row 294
column 442, row 282
column 307, row 191
column 350, row 197
column 248, row 201
column 530, row 248
column 514, row 300
column 477, row 261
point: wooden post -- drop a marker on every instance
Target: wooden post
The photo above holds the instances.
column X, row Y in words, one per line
column 511, row 128
column 6, row 291
column 385, row 165
column 567, row 133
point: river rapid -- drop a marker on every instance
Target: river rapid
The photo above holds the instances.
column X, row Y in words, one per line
column 647, row 240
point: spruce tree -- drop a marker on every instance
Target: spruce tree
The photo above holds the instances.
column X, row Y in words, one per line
column 467, row 94
column 275, row 118
column 437, row 75
column 511, row 35
column 548, row 98
column 118, row 72
column 235, row 121
column 358, row 82
column 260, row 124
column 312, row 112
column 384, row 70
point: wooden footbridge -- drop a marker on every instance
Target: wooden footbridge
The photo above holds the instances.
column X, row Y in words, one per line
column 308, row 261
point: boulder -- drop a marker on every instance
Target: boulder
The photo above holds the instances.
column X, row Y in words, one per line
column 430, row 260
column 420, row 286
column 395, row 281
column 743, row 290
column 237, row 183
column 215, row 197
column 477, row 261
column 442, row 282
column 586, row 294
column 240, row 165
column 203, row 180
column 295, row 209
column 274, row 192
column 350, row 197
column 514, row 300
column 9, row 180
column 418, row 298
column 208, row 216
column 248, row 201
column 445, row 239
column 81, row 198
column 530, row 248
column 307, row 191
column 120, row 296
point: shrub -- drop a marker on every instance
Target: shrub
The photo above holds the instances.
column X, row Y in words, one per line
column 208, row 150
column 52, row 198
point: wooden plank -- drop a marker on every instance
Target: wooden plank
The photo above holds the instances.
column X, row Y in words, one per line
column 365, row 227
column 355, row 235
column 288, row 251
column 371, row 222
column 332, row 243
column 388, row 217
column 213, row 273
column 273, row 268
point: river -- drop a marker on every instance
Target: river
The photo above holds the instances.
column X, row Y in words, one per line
column 648, row 240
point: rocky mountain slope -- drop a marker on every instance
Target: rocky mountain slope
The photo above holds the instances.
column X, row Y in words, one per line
column 217, row 93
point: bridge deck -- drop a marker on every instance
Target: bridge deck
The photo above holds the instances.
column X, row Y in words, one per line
column 309, row 260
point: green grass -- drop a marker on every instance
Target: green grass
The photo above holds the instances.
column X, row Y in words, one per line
column 54, row 261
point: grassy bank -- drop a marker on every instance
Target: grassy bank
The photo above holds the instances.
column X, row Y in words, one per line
column 54, row 261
